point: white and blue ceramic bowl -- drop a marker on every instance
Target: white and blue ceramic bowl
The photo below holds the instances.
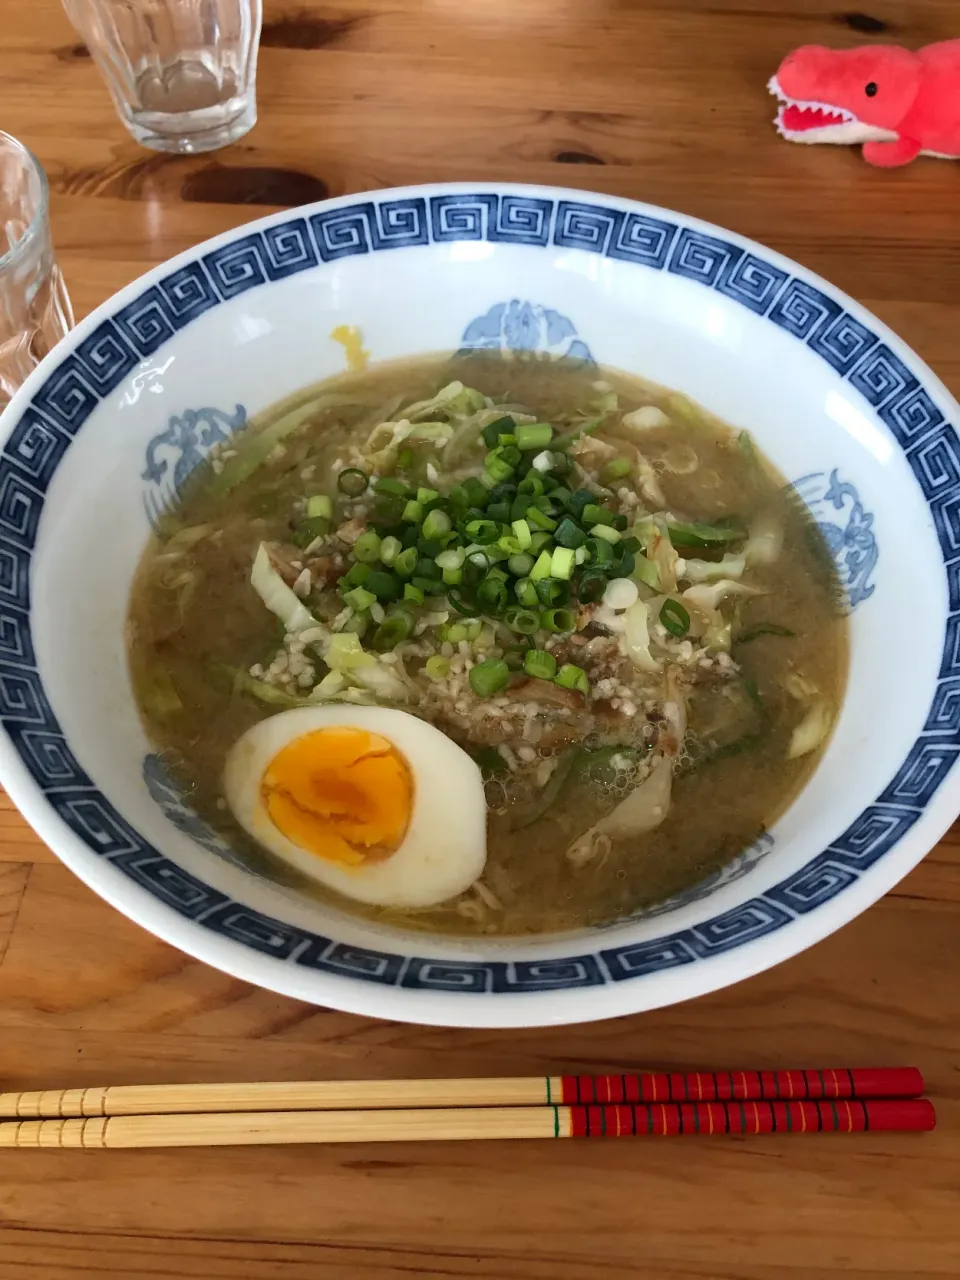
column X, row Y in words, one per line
column 104, row 432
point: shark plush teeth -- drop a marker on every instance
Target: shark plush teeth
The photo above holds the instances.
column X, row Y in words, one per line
column 896, row 103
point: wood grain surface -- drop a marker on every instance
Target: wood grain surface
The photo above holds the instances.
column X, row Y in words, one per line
column 658, row 99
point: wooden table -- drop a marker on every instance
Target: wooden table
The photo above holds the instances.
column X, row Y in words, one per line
column 658, row 99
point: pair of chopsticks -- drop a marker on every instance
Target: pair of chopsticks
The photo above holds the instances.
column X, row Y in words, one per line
column 631, row 1105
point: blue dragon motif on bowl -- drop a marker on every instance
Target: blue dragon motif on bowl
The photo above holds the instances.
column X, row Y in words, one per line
column 174, row 452
column 167, row 796
column 524, row 326
column 847, row 530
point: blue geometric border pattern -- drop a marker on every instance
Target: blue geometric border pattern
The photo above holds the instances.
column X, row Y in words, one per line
column 135, row 331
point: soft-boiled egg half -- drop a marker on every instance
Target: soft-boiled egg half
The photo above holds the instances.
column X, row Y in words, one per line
column 372, row 802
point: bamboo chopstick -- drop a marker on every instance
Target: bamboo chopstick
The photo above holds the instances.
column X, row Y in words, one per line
column 476, row 1123
column 340, row 1095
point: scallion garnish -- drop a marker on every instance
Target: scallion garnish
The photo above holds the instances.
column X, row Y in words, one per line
column 489, row 677
column 540, row 663
column 534, row 435
column 572, row 677
column 352, row 481
column 675, row 618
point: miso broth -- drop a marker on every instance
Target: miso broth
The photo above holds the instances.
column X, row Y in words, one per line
column 608, row 598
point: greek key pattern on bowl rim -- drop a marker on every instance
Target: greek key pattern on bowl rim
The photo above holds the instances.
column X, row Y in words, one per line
column 304, row 242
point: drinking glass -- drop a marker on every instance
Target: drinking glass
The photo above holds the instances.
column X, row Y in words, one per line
column 34, row 308
column 182, row 73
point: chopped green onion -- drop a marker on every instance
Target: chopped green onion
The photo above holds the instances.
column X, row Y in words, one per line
column 599, row 551
column 413, row 512
column 383, row 585
column 429, row 586
column 520, row 564
column 558, row 620
column 310, row 529
column 534, row 435
column 532, row 484
column 571, row 677
column 542, row 568
column 436, row 524
column 427, row 495
column 489, row 677
column 412, row 593
column 428, row 568
column 605, row 532
column 491, row 432
column 522, row 531
column 352, row 481
column 360, row 598
column 675, row 618
column 545, row 461
column 552, row 591
column 476, row 492
column 727, row 530
column 355, row 576
column 394, row 629
column 540, row 520
column 524, row 621
column 540, row 663
column 569, row 534
column 630, row 544
column 510, row 454
column 437, row 667
column 593, row 515
column 519, row 505
column 561, row 563
column 390, row 549
column 499, row 511
column 615, row 469
column 453, row 577
column 366, row 549
column 406, row 562
column 496, row 468
column 591, row 585
column 526, row 592
column 386, row 484
column 320, row 505
column 540, row 541
column 578, row 502
column 483, row 531
column 491, row 594
column 452, row 558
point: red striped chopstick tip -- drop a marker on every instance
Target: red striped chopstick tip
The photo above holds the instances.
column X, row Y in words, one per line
column 677, row 1119
column 732, row 1086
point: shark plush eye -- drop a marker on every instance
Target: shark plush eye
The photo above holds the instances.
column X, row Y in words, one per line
column 871, row 89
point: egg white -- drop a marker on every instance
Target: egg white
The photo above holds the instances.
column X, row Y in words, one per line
column 444, row 849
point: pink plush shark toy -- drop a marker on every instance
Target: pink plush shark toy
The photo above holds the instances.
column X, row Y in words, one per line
column 897, row 103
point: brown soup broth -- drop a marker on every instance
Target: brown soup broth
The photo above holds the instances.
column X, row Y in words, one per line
column 194, row 617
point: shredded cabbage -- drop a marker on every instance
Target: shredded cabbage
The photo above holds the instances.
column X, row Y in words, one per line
column 645, row 418
column 765, row 542
column 636, row 636
column 709, row 571
column 811, row 731
column 708, row 596
column 346, row 653
column 641, row 811
column 277, row 596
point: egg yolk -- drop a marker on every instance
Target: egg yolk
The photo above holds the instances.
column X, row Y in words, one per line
column 341, row 793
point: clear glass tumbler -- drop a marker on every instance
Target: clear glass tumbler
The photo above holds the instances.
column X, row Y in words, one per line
column 182, row 73
column 34, row 308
